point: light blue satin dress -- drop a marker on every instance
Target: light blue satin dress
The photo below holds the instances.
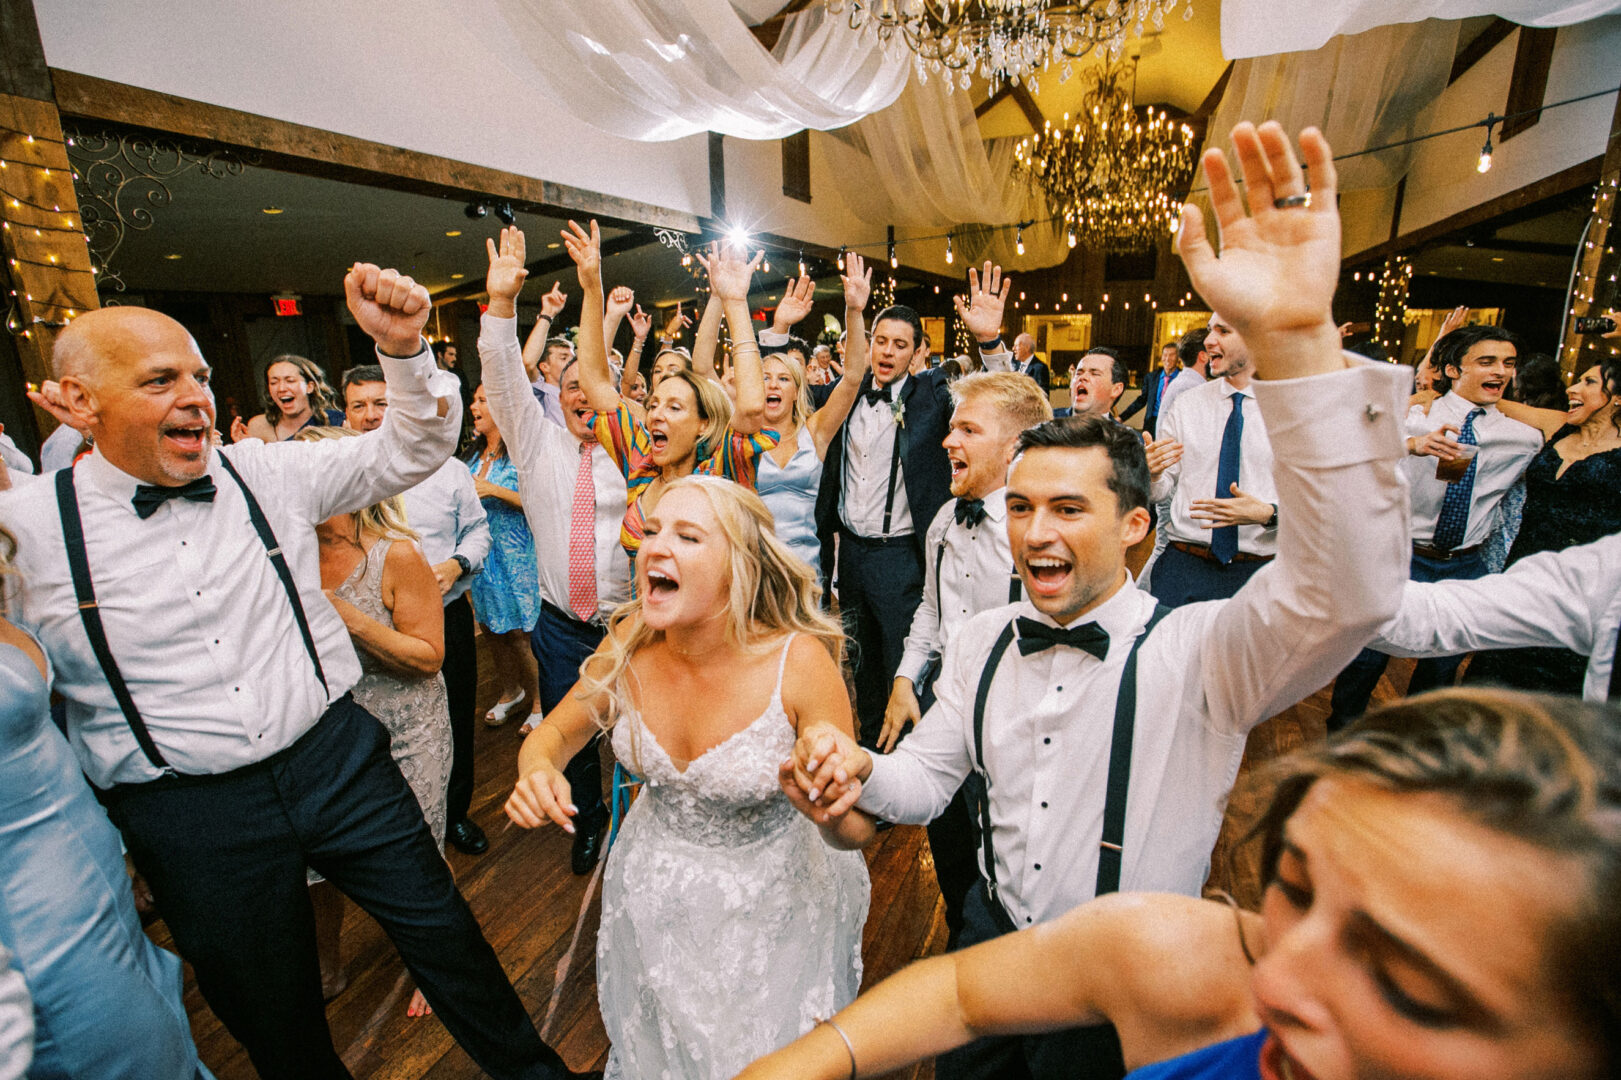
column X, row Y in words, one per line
column 790, row 494
column 106, row 1000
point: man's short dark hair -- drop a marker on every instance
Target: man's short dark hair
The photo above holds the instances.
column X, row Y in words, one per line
column 1117, row 370
column 1128, row 462
column 557, row 343
column 1450, row 350
column 906, row 315
column 1192, row 345
column 439, row 348
column 796, row 343
column 363, row 373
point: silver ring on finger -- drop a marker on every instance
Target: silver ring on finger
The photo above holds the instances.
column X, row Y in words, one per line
column 1289, row 202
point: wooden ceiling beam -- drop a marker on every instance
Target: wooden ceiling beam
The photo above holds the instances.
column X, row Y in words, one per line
column 770, row 31
column 548, row 266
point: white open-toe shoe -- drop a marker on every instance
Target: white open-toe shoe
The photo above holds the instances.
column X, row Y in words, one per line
column 503, row 709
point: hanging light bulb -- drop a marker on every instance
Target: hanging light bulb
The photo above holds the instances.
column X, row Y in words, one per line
column 1071, row 237
column 894, row 263
column 802, row 262
column 1485, row 162
column 949, row 257
column 841, row 258
column 1019, row 242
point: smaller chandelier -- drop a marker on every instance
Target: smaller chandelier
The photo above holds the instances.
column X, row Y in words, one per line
column 1111, row 174
column 1004, row 40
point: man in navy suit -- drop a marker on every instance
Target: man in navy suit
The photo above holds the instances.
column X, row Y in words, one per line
column 1154, row 388
column 884, row 478
column 1026, row 362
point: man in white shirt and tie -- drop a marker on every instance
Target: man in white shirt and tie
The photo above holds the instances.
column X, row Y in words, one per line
column 1060, row 728
column 1223, row 524
column 1195, row 365
column 968, row 569
column 1454, row 496
column 177, row 591
column 454, row 535
column 574, row 499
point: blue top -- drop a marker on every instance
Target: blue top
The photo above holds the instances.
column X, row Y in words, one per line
column 506, row 595
column 106, row 1000
column 1235, row 1059
column 790, row 494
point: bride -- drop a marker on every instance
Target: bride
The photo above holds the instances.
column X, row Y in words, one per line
column 728, row 925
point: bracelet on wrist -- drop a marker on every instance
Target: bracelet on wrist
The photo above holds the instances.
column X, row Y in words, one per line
column 848, row 1046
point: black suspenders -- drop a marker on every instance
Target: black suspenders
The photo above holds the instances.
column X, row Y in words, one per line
column 84, row 590
column 1015, row 585
column 977, row 785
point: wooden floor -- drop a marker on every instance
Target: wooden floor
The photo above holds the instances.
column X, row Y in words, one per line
column 529, row 905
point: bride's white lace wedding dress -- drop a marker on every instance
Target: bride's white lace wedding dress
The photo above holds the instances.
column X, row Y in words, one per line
column 728, row 926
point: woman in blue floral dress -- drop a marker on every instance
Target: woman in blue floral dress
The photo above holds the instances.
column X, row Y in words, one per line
column 506, row 596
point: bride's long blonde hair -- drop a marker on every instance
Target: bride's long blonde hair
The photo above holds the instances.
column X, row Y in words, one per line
column 772, row 591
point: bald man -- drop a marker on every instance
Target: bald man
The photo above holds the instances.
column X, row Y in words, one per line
column 177, row 589
column 1026, row 362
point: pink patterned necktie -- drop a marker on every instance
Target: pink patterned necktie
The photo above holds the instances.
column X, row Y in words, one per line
column 582, row 548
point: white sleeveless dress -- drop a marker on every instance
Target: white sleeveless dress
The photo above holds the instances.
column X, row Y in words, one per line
column 728, row 926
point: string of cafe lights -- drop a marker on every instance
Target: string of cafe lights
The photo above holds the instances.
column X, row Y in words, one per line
column 889, row 245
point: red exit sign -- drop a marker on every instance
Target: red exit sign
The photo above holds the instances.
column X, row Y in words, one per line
column 286, row 305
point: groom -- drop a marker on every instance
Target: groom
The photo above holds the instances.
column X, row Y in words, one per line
column 1103, row 745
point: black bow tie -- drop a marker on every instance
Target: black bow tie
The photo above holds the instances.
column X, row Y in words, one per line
column 1036, row 636
column 148, row 498
column 970, row 512
column 877, row 394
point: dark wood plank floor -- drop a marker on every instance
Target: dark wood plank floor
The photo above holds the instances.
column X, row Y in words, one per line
column 529, row 905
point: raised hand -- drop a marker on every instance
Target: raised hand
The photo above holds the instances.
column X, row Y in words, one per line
column 1275, row 277
column 542, row 798
column 1455, row 318
column 391, row 308
column 795, row 305
column 585, row 248
column 239, row 429
column 49, row 398
column 506, row 274
column 1242, row 509
column 981, row 312
column 640, row 323
column 857, row 278
column 553, row 302
column 620, row 301
column 677, row 325
column 729, row 275
column 1162, row 454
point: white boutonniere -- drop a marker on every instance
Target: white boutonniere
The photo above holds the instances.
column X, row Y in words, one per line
column 898, row 411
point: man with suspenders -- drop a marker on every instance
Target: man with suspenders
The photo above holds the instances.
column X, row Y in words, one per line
column 968, row 569
column 1080, row 790
column 177, row 591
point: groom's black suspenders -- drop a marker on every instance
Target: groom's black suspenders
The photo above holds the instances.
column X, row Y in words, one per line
column 977, row 785
column 67, row 503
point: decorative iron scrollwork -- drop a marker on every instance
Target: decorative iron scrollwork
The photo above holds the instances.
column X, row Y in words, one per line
column 121, row 177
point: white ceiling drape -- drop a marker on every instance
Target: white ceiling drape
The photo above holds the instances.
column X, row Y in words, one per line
column 1265, row 27
column 654, row 70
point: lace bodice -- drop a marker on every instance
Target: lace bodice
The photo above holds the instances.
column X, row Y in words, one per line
column 728, row 796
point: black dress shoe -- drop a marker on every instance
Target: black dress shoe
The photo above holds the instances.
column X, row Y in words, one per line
column 469, row 838
column 587, row 846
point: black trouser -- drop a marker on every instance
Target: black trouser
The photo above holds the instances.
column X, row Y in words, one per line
column 461, row 687
column 1089, row 1053
column 1180, row 578
column 951, row 840
column 561, row 644
column 880, row 586
column 225, row 857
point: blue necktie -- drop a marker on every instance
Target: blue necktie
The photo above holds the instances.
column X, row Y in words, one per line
column 1224, row 541
column 1453, row 521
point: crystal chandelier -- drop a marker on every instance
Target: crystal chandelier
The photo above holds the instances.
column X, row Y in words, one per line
column 1016, row 40
column 1112, row 174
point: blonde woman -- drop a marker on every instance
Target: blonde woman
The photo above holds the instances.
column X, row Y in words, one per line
column 383, row 588
column 728, row 924
column 790, row 473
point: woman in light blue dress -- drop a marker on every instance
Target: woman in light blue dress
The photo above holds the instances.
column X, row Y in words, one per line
column 506, row 595
column 106, row 1000
column 790, row 474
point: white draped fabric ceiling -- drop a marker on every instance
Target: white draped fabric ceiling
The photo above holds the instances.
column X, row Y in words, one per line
column 654, row 70
column 1265, row 27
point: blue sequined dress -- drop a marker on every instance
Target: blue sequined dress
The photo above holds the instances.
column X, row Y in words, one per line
column 506, row 595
